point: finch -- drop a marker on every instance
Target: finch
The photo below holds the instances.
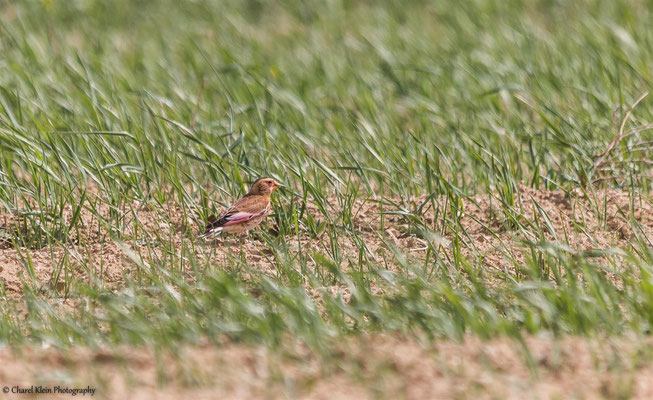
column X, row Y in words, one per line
column 247, row 212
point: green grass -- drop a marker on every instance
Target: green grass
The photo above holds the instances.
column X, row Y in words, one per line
column 163, row 104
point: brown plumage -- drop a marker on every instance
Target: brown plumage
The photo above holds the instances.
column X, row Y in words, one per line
column 247, row 212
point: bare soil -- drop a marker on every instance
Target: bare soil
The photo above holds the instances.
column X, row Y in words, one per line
column 378, row 366
column 374, row 366
column 608, row 221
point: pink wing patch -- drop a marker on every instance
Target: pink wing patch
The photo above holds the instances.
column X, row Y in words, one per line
column 241, row 217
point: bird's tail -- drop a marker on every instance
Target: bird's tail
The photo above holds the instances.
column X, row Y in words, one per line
column 211, row 232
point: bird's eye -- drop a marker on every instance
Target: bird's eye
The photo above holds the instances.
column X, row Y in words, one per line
column 270, row 183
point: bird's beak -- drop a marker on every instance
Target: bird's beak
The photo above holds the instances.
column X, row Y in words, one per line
column 276, row 186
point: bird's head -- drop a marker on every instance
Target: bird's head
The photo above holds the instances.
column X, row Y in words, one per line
column 263, row 187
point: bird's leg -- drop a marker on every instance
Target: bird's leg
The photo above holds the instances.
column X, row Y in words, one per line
column 257, row 237
column 214, row 241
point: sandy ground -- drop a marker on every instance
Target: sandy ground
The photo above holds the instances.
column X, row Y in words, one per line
column 95, row 256
column 375, row 366
column 378, row 366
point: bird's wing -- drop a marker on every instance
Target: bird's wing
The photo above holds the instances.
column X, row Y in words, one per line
column 241, row 211
column 240, row 217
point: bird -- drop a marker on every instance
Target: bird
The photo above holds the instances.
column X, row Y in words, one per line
column 246, row 213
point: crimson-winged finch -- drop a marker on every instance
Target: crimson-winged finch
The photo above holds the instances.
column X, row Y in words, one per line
column 247, row 212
